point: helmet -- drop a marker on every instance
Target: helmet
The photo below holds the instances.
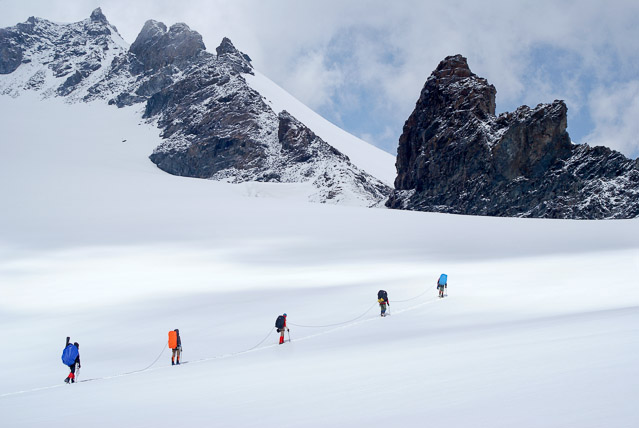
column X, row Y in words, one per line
column 284, row 314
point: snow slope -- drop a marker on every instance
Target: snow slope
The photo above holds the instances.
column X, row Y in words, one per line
column 371, row 159
column 96, row 243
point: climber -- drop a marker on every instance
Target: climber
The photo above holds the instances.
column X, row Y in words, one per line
column 175, row 343
column 442, row 285
column 280, row 324
column 382, row 299
column 71, row 358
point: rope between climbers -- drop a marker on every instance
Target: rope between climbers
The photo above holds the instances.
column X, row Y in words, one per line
column 413, row 298
column 150, row 365
column 336, row 324
column 263, row 340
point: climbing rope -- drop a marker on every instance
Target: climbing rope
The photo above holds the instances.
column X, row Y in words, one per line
column 360, row 316
column 263, row 340
column 335, row 324
column 166, row 345
column 413, row 298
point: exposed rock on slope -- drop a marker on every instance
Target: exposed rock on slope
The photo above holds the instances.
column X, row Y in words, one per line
column 456, row 156
column 213, row 124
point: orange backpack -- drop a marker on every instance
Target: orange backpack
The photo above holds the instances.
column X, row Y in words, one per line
column 173, row 339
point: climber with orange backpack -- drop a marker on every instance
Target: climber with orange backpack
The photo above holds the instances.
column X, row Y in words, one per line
column 175, row 343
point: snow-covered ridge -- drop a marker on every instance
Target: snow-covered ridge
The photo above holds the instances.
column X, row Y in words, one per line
column 62, row 59
column 215, row 125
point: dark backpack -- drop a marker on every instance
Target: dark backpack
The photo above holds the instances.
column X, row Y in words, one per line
column 279, row 322
column 381, row 294
column 69, row 355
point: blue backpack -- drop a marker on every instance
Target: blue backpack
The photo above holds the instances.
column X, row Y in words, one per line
column 443, row 279
column 69, row 355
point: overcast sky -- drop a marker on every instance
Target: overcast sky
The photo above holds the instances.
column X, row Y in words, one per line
column 361, row 64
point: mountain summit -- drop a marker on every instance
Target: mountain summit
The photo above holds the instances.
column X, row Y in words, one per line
column 456, row 156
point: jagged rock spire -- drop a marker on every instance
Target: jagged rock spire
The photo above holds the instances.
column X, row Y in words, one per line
column 98, row 16
column 241, row 61
column 456, row 156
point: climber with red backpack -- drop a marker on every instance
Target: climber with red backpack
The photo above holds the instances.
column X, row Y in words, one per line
column 71, row 358
column 175, row 344
column 280, row 324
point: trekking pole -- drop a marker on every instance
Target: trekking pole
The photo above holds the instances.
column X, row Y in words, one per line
column 289, row 335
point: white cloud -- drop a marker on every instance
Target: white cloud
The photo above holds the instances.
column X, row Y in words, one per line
column 312, row 81
column 616, row 114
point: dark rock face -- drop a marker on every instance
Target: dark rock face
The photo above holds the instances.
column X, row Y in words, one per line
column 456, row 156
column 300, row 144
column 155, row 47
column 10, row 52
column 217, row 127
column 209, row 125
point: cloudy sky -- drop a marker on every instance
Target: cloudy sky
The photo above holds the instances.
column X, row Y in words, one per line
column 362, row 64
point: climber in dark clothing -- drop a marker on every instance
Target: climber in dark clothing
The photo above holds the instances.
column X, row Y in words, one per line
column 382, row 299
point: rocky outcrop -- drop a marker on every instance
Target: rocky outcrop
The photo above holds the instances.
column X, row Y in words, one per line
column 228, row 52
column 156, row 47
column 213, row 124
column 456, row 156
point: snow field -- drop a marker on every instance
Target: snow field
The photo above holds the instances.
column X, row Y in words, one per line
column 96, row 243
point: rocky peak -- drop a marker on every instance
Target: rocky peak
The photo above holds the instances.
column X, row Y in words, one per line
column 150, row 34
column 157, row 47
column 98, row 16
column 454, row 90
column 454, row 67
column 240, row 61
column 73, row 50
column 455, row 156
